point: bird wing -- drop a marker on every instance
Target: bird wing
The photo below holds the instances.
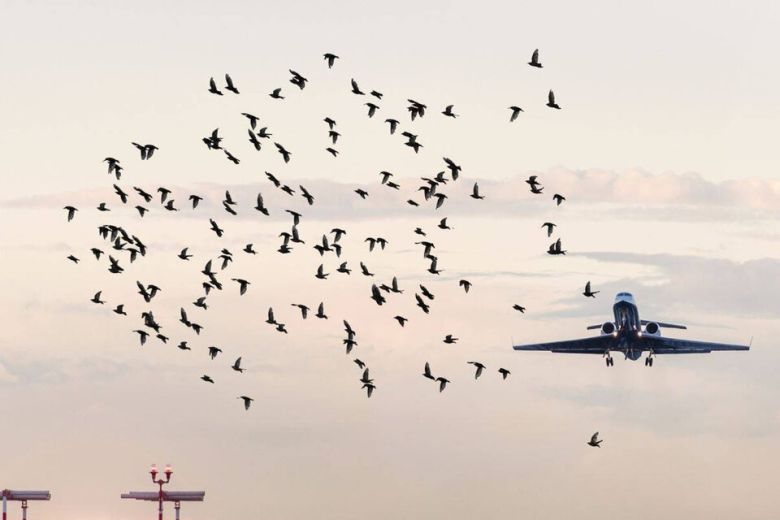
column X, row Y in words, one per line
column 551, row 97
column 595, row 437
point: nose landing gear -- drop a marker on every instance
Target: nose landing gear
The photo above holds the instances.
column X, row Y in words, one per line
column 649, row 360
column 610, row 362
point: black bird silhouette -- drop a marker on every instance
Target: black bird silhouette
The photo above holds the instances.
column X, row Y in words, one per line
column 479, row 366
column 207, row 379
column 421, row 304
column 334, row 136
column 146, row 196
column 442, row 383
column 376, row 295
column 401, row 320
column 343, row 268
column 332, row 151
column 443, row 224
column 215, row 228
column 298, row 80
column 465, row 284
column 558, row 199
column 183, row 346
column 237, row 365
column 369, row 388
column 147, row 150
column 230, row 86
column 475, row 192
column 330, row 58
column 449, row 339
column 321, row 312
column 549, row 226
column 356, row 89
column 448, row 111
column 428, row 294
column 376, row 94
column 555, row 248
column 535, row 60
column 232, row 158
column 277, row 94
column 393, row 125
column 212, row 141
column 504, row 373
column 588, row 293
column 247, row 401
column 518, row 308
column 515, row 112
column 285, row 154
column 263, row 133
column 142, row 335
column 254, row 141
column 321, row 274
column 454, row 170
column 96, row 298
column 331, row 123
column 71, row 212
column 97, row 252
column 213, row 351
column 183, row 254
column 242, row 284
column 594, row 441
column 120, row 309
column 427, row 372
column 259, row 206
column 363, row 193
column 195, row 199
column 304, row 309
column 551, row 101
column 213, row 87
column 372, row 108
column 102, row 207
column 73, row 259
column 252, row 119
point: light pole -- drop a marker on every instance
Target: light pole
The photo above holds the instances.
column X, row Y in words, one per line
column 23, row 497
column 160, row 482
column 161, row 496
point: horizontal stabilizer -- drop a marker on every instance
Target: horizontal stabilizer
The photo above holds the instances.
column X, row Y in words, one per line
column 664, row 325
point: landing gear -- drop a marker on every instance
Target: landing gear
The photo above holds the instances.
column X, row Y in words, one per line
column 649, row 360
column 610, row 361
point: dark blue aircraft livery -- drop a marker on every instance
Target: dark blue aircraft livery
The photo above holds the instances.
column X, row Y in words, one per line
column 631, row 336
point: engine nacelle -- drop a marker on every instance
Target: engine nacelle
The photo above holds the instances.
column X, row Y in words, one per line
column 652, row 329
column 608, row 328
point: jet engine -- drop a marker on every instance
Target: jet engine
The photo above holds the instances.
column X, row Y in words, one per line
column 608, row 328
column 652, row 328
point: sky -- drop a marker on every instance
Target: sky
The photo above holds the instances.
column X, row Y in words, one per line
column 664, row 149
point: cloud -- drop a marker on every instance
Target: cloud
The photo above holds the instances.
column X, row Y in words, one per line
column 683, row 196
column 711, row 285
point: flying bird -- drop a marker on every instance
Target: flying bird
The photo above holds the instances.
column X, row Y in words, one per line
column 549, row 226
column 71, row 212
column 551, row 101
column 237, row 365
column 588, row 293
column 515, row 112
column 504, row 373
column 479, row 366
column 535, row 60
column 247, row 401
column 213, row 87
column 230, row 86
column 448, row 112
column 594, row 441
column 330, row 58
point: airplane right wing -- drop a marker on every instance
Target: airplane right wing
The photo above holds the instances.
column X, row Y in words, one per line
column 661, row 345
column 596, row 345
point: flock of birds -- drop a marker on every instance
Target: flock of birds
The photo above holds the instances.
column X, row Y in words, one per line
column 119, row 241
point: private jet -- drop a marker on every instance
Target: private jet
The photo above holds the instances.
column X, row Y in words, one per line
column 631, row 336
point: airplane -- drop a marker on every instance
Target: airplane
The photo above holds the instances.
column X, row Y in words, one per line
column 631, row 336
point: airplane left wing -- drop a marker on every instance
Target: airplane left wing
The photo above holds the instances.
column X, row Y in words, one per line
column 596, row 345
column 661, row 345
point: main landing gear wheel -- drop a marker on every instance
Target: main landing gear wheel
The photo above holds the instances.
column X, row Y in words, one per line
column 610, row 361
column 649, row 361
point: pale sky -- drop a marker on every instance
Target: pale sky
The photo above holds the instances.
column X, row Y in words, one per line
column 665, row 149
